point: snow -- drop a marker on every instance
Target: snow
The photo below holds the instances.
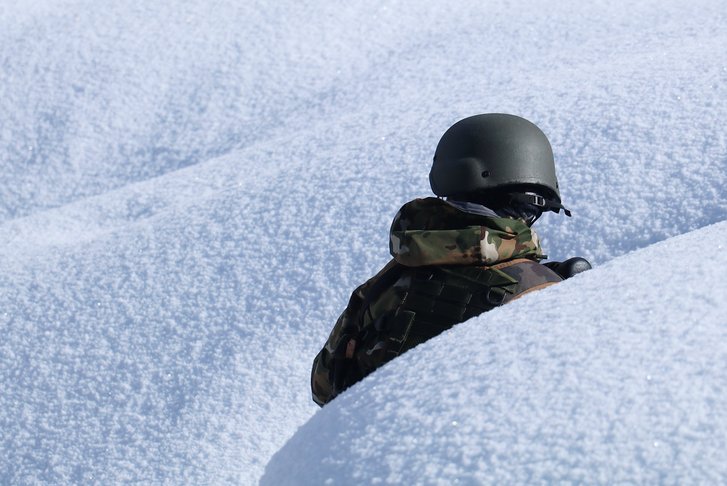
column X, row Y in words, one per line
column 191, row 190
column 562, row 386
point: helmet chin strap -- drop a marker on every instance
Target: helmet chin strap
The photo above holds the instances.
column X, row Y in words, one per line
column 539, row 201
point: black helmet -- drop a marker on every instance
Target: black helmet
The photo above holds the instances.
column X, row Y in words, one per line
column 496, row 155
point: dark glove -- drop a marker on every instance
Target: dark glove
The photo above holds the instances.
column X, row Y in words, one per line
column 570, row 267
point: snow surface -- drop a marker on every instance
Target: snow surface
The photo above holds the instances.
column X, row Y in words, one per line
column 562, row 386
column 190, row 190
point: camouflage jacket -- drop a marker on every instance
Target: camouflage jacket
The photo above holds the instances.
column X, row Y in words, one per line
column 448, row 265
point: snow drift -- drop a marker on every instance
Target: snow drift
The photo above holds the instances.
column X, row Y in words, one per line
column 617, row 375
column 190, row 191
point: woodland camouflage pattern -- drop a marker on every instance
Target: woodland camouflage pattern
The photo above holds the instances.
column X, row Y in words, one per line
column 449, row 265
column 432, row 232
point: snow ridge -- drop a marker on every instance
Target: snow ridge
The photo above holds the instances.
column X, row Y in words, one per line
column 190, row 191
column 604, row 378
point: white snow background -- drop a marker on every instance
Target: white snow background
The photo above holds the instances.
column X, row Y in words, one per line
column 190, row 190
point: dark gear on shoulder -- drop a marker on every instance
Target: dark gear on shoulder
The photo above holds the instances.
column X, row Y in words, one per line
column 453, row 259
column 569, row 268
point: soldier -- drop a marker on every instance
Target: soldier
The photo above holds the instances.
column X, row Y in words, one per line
column 456, row 256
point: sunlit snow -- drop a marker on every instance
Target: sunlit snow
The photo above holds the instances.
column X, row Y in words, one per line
column 190, row 190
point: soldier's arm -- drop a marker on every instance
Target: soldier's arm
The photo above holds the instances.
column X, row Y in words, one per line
column 330, row 363
column 322, row 379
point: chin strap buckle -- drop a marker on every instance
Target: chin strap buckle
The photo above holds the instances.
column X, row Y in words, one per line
column 539, row 201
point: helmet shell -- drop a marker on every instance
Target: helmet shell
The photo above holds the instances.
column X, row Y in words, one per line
column 493, row 151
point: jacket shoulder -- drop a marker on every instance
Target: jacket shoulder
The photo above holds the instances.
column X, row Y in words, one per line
column 530, row 276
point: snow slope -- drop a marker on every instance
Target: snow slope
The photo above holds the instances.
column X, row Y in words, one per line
column 606, row 378
column 189, row 192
